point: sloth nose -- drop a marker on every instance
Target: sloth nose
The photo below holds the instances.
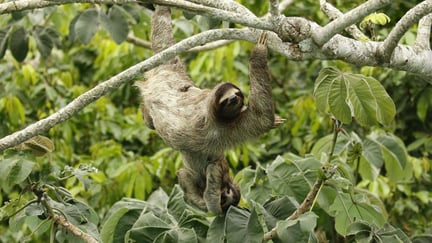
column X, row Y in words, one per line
column 232, row 99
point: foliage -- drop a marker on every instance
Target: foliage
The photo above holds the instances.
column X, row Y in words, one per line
column 114, row 179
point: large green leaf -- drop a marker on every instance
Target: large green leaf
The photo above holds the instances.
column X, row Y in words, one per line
column 115, row 23
column 254, row 184
column 278, row 209
column 323, row 86
column 19, row 44
column 345, row 95
column 386, row 109
column 243, row 226
column 14, row 109
column 13, row 171
column 147, row 228
column 394, row 155
column 366, row 232
column 293, row 178
column 86, row 25
column 362, row 101
column 337, row 99
column 216, row 232
column 349, row 209
column 45, row 38
column 298, row 230
column 115, row 218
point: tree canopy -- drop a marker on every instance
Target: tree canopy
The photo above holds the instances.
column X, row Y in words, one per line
column 352, row 161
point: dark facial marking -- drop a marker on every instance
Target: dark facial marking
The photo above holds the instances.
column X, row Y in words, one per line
column 229, row 109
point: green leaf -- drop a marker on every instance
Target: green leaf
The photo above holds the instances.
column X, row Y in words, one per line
column 86, row 25
column 4, row 37
column 278, row 209
column 45, row 38
column 13, row 171
column 372, row 153
column 424, row 103
column 386, row 109
column 345, row 95
column 115, row 23
column 254, row 184
column 323, row 85
column 388, row 233
column 298, row 230
column 362, row 231
column 293, row 178
column 177, row 235
column 376, row 18
column 243, row 226
column 147, row 228
column 348, row 210
column 216, row 232
column 113, row 228
column 362, row 101
column 326, row 198
column 337, row 99
column 39, row 145
column 14, row 109
column 394, row 155
column 19, row 44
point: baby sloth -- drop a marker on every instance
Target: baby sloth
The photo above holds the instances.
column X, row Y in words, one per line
column 203, row 123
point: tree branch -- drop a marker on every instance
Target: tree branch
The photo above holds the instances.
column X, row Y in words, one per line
column 239, row 18
column 423, row 32
column 19, row 5
column 227, row 5
column 137, row 41
column 284, row 5
column 64, row 222
column 351, row 17
column 402, row 26
column 334, row 13
column 274, row 8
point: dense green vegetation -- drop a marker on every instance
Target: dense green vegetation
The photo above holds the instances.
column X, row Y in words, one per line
column 115, row 179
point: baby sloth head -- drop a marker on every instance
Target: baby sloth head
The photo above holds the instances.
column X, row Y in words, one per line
column 228, row 103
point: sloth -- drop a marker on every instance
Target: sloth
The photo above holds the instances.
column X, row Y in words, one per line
column 203, row 123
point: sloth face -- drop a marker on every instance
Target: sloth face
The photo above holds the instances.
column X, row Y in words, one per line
column 230, row 196
column 229, row 102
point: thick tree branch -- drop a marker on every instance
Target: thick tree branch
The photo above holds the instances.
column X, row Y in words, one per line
column 12, row 6
column 351, row 17
column 334, row 13
column 423, row 32
column 274, row 8
column 227, row 5
column 239, row 18
column 402, row 26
